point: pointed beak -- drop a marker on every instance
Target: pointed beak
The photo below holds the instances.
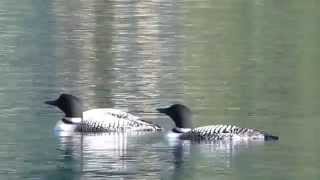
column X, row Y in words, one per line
column 162, row 110
column 53, row 103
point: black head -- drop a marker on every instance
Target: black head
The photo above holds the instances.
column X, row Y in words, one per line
column 180, row 114
column 69, row 104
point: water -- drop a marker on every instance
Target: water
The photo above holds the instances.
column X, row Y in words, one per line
column 247, row 63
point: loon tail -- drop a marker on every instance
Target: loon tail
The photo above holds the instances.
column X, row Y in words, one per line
column 269, row 137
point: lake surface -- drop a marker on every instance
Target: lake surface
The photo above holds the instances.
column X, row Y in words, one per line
column 248, row 63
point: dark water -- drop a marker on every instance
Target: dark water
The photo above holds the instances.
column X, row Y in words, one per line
column 247, row 63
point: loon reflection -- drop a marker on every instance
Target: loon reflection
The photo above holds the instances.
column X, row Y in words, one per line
column 219, row 155
column 110, row 154
column 140, row 154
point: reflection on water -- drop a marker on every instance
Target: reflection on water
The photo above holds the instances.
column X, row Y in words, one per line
column 248, row 63
column 112, row 155
column 142, row 155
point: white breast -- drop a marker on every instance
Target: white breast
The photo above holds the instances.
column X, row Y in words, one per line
column 62, row 128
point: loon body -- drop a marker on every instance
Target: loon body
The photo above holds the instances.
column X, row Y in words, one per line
column 96, row 120
column 181, row 115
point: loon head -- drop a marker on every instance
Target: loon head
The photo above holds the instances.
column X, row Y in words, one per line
column 69, row 104
column 180, row 114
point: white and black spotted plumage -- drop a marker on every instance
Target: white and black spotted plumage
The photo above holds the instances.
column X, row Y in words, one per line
column 222, row 132
column 181, row 115
column 113, row 120
column 96, row 120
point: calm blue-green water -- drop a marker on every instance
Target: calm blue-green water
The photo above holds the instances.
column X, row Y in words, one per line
column 248, row 63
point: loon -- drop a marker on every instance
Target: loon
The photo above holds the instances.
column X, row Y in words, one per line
column 181, row 115
column 96, row 120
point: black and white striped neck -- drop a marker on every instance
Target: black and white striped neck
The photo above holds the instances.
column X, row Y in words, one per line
column 71, row 120
column 181, row 130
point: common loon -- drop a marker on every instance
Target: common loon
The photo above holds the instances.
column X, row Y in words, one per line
column 181, row 115
column 96, row 120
